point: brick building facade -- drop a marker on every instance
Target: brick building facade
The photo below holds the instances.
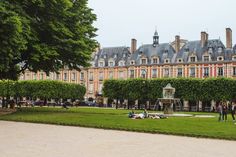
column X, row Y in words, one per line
column 181, row 58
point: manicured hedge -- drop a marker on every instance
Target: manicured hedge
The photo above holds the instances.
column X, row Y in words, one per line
column 186, row 88
column 45, row 89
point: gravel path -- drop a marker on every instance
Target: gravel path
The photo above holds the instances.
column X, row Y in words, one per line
column 39, row 140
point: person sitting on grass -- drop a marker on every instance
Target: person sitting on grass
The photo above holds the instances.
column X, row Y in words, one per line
column 145, row 113
column 131, row 114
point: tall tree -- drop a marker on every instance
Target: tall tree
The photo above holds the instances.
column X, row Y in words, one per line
column 55, row 33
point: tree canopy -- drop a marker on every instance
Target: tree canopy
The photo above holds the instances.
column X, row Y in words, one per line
column 45, row 35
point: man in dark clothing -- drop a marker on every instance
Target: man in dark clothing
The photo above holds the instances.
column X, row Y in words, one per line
column 233, row 109
column 224, row 112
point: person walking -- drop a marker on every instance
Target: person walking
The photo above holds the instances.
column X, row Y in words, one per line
column 233, row 109
column 224, row 114
column 220, row 110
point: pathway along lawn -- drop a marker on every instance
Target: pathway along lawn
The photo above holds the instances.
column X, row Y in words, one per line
column 118, row 120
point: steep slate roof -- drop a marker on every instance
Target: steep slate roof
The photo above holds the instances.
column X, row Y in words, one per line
column 164, row 51
column 115, row 53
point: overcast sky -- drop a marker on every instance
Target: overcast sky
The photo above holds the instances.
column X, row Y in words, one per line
column 120, row 20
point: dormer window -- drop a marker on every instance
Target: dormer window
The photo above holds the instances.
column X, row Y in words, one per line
column 234, row 58
column 167, row 61
column 179, row 60
column 192, row 59
column 115, row 56
column 111, row 63
column 101, row 64
column 220, row 58
column 132, row 62
column 105, row 56
column 121, row 63
column 143, row 61
column 206, row 58
column 154, row 60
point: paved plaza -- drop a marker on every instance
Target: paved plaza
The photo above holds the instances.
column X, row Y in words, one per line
column 39, row 140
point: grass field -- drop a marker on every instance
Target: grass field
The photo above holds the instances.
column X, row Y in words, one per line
column 118, row 120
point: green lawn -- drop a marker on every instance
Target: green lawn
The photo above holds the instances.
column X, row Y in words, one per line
column 118, row 120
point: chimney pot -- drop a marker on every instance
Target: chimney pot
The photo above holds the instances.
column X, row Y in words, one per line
column 133, row 45
column 228, row 38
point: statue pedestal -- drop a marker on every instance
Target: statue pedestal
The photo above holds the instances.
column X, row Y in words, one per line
column 168, row 108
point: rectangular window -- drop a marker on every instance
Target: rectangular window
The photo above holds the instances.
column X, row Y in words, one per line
column 91, row 88
column 220, row 71
column 143, row 73
column 166, row 72
column 111, row 64
column 144, row 61
column 179, row 72
column 192, row 59
column 234, row 71
column 35, row 76
column 154, row 61
column 131, row 73
column 110, row 74
column 192, row 72
column 82, row 76
column 154, row 73
column 100, row 88
column 206, row 58
column 65, row 76
column 101, row 64
column 91, row 76
column 100, row 76
column 205, row 72
column 121, row 75
column 73, row 77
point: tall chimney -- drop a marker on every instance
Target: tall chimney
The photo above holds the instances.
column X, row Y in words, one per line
column 177, row 43
column 133, row 45
column 228, row 38
column 204, row 38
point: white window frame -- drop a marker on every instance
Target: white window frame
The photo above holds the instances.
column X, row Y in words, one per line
column 220, row 58
column 190, row 74
column 143, row 72
column 121, row 63
column 132, row 62
column 178, row 72
column 195, row 59
column 180, row 60
column 157, row 60
column 156, row 74
column 233, row 71
column 101, row 63
column 204, row 72
column 203, row 58
column 131, row 76
column 218, row 72
column 167, row 61
column 111, row 61
column 166, row 72
column 142, row 59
